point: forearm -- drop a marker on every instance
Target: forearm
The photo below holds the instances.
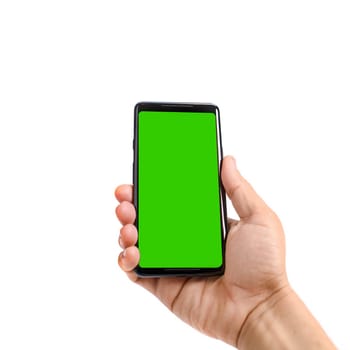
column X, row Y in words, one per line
column 283, row 322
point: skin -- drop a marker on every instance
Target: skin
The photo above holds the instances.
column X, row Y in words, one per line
column 242, row 306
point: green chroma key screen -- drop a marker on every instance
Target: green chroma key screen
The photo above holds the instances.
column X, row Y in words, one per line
column 179, row 220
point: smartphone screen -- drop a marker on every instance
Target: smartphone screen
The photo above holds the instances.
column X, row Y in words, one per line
column 178, row 196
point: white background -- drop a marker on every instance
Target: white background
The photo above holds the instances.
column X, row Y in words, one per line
column 70, row 74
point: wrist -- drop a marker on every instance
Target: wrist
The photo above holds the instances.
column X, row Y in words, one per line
column 261, row 316
column 282, row 321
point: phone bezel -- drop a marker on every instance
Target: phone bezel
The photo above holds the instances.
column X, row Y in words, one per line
column 181, row 107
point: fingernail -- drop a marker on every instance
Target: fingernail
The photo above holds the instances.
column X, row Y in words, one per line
column 120, row 241
column 233, row 162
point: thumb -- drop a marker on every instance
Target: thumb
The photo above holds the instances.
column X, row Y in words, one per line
column 243, row 197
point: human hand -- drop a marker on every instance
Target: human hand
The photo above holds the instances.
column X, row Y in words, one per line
column 254, row 266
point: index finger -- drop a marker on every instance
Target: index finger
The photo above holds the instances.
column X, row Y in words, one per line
column 124, row 193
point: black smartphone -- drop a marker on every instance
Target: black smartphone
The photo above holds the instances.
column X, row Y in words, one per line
column 178, row 196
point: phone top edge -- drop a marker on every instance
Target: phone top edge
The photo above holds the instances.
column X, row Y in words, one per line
column 176, row 106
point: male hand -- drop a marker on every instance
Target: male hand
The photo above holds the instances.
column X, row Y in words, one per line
column 254, row 266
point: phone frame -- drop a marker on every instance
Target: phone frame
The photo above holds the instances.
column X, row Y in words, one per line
column 181, row 107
